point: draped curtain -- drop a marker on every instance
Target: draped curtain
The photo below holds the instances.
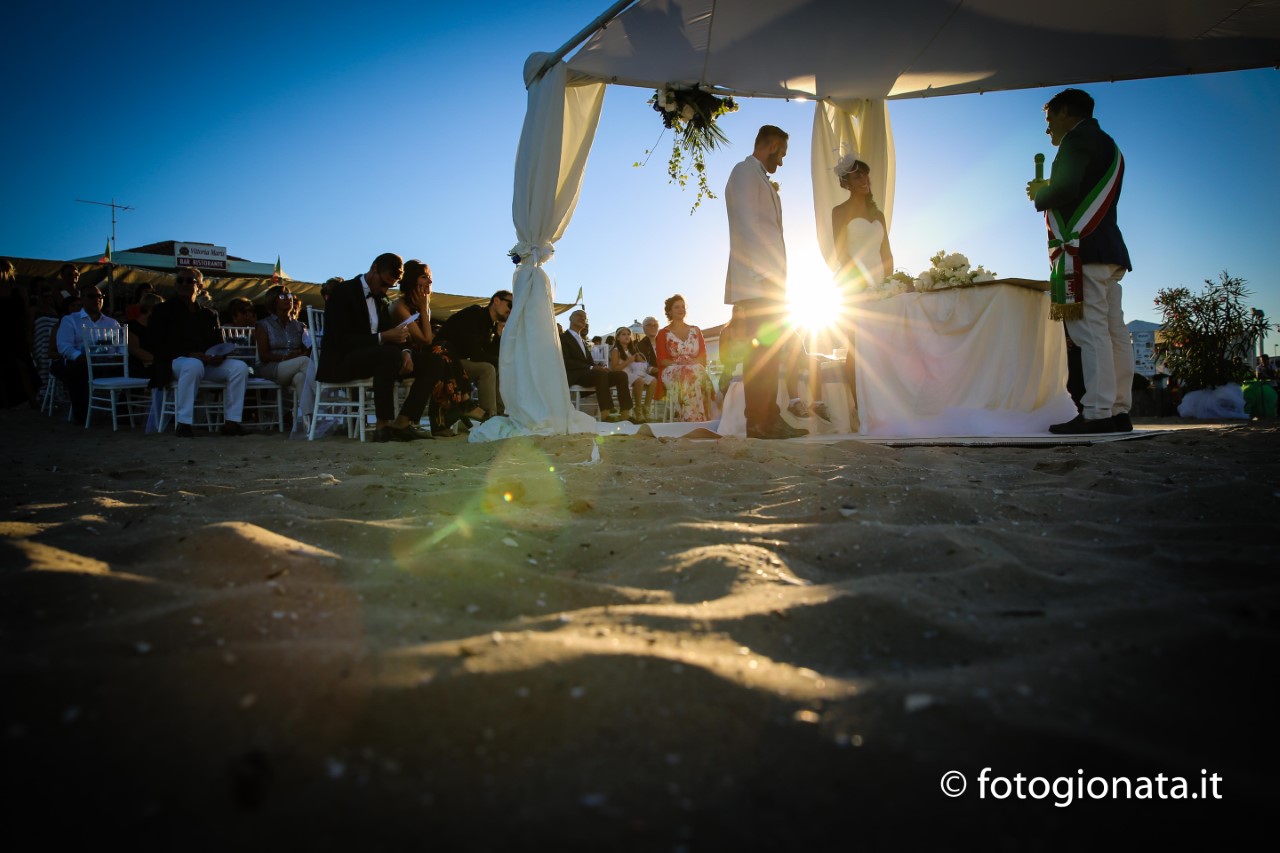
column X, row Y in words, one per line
column 559, row 125
column 861, row 127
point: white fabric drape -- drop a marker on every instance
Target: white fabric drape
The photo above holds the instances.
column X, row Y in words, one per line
column 559, row 126
column 838, row 129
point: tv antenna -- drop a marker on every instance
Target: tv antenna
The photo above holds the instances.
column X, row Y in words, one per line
column 114, row 207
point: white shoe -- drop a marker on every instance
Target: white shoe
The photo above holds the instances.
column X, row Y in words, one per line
column 798, row 408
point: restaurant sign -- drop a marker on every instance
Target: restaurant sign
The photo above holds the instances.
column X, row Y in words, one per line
column 204, row 255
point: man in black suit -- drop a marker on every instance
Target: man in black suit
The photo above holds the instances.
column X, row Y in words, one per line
column 361, row 341
column 1088, row 169
column 581, row 370
column 473, row 337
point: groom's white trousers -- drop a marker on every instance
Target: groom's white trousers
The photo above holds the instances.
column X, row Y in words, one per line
column 190, row 372
column 1106, row 351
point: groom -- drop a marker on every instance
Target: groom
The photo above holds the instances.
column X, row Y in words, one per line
column 757, row 278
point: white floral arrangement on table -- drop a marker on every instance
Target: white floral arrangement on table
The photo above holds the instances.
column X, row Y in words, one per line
column 899, row 282
column 951, row 270
column 691, row 114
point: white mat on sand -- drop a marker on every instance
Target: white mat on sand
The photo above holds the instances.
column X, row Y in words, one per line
column 707, row 431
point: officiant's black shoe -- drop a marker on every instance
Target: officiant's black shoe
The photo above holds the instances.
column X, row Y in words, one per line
column 1122, row 422
column 1080, row 425
column 184, row 431
column 232, row 428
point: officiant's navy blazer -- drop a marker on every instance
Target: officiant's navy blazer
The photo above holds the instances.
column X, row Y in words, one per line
column 1084, row 155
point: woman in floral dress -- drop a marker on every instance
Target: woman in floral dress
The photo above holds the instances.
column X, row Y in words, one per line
column 682, row 364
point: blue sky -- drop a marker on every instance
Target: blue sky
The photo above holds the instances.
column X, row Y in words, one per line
column 329, row 135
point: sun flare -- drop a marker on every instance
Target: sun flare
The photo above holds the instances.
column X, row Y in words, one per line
column 812, row 298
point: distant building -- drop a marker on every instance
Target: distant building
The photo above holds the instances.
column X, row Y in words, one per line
column 1144, row 336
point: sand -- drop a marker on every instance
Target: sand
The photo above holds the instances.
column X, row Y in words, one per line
column 260, row 643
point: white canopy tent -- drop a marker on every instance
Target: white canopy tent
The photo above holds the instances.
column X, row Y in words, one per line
column 849, row 56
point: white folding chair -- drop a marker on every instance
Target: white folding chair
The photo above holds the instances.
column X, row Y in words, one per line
column 348, row 401
column 270, row 411
column 576, row 393
column 107, row 350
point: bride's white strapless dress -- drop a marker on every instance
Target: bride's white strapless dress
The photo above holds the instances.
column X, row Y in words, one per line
column 864, row 238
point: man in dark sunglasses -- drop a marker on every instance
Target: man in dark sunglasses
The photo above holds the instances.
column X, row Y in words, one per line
column 183, row 332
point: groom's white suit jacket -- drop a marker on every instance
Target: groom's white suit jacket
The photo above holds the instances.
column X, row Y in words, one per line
column 757, row 255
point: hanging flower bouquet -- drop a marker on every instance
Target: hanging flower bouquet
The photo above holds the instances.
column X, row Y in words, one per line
column 691, row 114
column 951, row 270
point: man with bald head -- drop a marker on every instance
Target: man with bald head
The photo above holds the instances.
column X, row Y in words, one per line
column 579, row 369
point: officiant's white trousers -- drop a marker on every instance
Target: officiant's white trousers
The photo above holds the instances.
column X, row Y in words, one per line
column 1106, row 351
column 190, row 372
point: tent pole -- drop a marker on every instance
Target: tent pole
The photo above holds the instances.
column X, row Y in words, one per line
column 588, row 31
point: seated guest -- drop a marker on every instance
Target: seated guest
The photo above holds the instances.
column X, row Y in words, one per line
column 141, row 354
column 134, row 308
column 626, row 356
column 181, row 333
column 599, row 352
column 647, row 344
column 472, row 335
column 361, row 341
column 240, row 313
column 71, row 366
column 44, row 326
column 450, row 386
column 580, row 370
column 16, row 367
column 283, row 353
column 329, row 284
column 682, row 360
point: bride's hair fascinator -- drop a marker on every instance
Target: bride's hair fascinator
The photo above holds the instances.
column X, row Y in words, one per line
column 849, row 163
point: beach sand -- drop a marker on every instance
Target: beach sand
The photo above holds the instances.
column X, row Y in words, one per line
column 260, row 643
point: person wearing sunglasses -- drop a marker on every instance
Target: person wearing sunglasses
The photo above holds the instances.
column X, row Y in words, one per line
column 182, row 333
column 474, row 337
column 362, row 341
column 283, row 353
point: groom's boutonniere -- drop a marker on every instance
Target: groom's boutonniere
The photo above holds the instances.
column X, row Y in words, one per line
column 776, row 186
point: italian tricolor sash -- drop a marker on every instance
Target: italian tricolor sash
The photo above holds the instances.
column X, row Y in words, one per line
column 1066, row 278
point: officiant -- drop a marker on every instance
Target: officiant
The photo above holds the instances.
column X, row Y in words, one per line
column 1089, row 258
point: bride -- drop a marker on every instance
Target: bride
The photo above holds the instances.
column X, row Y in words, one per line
column 858, row 227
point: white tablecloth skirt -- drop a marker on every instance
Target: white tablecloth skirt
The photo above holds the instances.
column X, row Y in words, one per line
column 975, row 361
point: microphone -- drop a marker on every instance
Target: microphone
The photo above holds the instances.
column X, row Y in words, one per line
column 1039, row 167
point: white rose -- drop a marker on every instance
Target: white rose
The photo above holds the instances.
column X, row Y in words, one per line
column 924, row 282
column 686, row 113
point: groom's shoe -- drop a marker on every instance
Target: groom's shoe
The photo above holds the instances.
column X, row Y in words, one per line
column 1080, row 425
column 1122, row 422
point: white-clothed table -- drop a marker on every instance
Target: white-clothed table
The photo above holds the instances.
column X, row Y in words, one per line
column 975, row 361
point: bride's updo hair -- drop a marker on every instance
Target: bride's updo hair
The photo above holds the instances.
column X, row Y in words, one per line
column 666, row 306
column 847, row 164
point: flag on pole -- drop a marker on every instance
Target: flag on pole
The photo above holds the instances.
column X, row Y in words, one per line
column 106, row 256
column 275, row 276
